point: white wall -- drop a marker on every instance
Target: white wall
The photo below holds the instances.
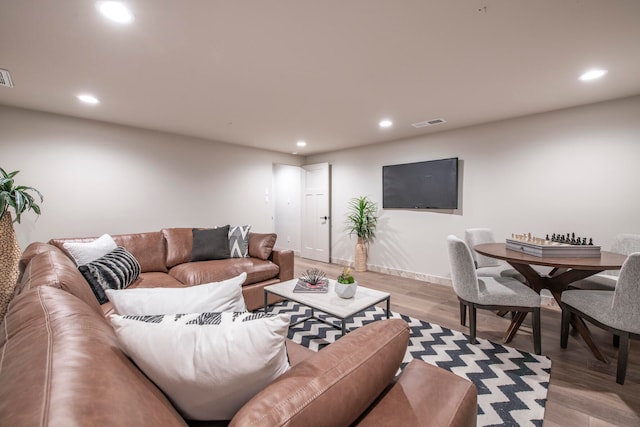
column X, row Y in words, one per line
column 101, row 178
column 286, row 192
column 569, row 170
column 574, row 170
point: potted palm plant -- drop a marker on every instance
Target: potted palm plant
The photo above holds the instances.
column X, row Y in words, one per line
column 19, row 199
column 362, row 221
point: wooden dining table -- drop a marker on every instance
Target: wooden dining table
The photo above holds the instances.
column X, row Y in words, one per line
column 564, row 271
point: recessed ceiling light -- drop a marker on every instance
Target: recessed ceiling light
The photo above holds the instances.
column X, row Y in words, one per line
column 301, row 144
column 115, row 11
column 593, row 74
column 88, row 99
column 385, row 123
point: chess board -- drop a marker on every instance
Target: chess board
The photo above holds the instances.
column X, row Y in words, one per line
column 542, row 247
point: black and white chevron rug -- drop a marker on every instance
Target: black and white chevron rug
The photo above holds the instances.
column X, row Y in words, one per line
column 512, row 384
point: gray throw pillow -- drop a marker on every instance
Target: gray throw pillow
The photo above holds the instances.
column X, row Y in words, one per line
column 210, row 243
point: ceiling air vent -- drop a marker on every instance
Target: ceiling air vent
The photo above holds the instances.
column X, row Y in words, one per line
column 5, row 78
column 428, row 123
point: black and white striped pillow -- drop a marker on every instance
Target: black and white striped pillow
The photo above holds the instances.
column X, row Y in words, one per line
column 115, row 270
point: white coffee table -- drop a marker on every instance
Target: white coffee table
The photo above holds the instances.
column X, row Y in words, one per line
column 329, row 303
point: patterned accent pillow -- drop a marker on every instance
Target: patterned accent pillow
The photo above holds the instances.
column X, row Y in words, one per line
column 217, row 318
column 115, row 270
column 209, row 365
column 225, row 295
column 239, row 241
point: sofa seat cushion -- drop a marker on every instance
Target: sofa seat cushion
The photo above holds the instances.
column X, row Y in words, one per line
column 61, row 365
column 156, row 280
column 195, row 273
column 336, row 384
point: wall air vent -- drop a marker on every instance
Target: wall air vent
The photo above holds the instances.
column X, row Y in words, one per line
column 428, row 123
column 5, row 78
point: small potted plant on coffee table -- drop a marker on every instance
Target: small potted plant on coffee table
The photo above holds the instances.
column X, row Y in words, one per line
column 346, row 285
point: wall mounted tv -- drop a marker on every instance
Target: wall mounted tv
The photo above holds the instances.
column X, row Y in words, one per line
column 423, row 185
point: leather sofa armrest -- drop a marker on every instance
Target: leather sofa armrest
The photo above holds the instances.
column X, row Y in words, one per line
column 334, row 385
column 425, row 396
column 284, row 260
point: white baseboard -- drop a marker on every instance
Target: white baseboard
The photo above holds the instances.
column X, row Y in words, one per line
column 423, row 277
column 546, row 299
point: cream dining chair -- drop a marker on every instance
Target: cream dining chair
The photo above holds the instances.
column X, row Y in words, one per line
column 488, row 293
column 616, row 311
column 623, row 243
column 487, row 266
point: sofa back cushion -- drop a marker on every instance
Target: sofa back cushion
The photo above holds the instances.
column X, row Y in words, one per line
column 179, row 245
column 261, row 245
column 61, row 365
column 335, row 385
column 147, row 248
column 46, row 265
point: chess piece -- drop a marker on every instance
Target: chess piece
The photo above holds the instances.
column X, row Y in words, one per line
column 546, row 237
column 584, row 240
column 590, row 242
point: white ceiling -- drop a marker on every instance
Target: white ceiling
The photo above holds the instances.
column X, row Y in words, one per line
column 268, row 73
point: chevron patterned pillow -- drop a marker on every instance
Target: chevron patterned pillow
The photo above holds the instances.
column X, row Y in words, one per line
column 239, row 241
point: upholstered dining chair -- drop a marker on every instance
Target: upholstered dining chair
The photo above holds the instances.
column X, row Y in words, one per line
column 616, row 311
column 624, row 243
column 489, row 293
column 487, row 266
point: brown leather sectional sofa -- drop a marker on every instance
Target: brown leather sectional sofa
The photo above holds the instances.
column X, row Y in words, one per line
column 164, row 262
column 60, row 363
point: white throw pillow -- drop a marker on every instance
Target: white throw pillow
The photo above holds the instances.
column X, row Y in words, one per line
column 85, row 252
column 209, row 365
column 216, row 296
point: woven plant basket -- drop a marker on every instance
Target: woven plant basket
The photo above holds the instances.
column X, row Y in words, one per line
column 361, row 256
column 9, row 259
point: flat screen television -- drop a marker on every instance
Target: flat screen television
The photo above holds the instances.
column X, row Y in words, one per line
column 431, row 184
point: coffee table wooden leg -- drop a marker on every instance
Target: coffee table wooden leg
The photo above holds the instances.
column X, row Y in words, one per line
column 388, row 306
column 513, row 328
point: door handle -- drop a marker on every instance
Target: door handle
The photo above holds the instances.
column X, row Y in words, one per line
column 324, row 217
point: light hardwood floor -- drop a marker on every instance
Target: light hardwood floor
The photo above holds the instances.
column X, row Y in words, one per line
column 582, row 391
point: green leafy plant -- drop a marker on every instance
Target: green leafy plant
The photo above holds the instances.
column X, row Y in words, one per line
column 361, row 218
column 17, row 197
column 346, row 277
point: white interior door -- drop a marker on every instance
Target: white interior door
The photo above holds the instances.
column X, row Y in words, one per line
column 316, row 221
